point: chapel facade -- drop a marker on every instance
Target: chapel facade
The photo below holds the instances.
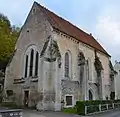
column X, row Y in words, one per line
column 55, row 64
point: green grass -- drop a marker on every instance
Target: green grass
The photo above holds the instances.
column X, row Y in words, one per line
column 70, row 110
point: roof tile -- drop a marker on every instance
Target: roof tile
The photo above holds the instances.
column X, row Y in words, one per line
column 71, row 30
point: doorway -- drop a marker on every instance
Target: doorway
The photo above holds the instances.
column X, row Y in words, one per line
column 26, row 98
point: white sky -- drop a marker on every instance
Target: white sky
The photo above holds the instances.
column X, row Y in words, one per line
column 101, row 18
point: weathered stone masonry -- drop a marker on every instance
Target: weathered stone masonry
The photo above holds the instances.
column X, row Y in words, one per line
column 65, row 66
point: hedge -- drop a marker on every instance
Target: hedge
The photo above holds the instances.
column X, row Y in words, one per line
column 93, row 108
column 10, row 105
column 94, row 105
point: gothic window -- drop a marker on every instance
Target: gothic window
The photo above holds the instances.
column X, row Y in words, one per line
column 31, row 62
column 90, row 95
column 66, row 64
column 36, row 64
column 26, row 65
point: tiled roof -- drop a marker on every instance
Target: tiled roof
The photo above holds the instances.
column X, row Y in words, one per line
column 71, row 30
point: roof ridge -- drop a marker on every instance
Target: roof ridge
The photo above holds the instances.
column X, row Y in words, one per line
column 64, row 25
column 66, row 20
column 49, row 18
column 72, row 24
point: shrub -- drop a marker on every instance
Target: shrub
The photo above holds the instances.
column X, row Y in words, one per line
column 11, row 105
column 92, row 108
column 93, row 105
column 80, row 106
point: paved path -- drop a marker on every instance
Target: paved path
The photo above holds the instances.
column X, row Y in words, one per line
column 115, row 113
column 31, row 113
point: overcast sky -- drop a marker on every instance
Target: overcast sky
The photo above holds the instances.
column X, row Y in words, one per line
column 99, row 17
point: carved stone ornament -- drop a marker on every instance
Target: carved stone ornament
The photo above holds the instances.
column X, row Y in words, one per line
column 81, row 59
column 69, row 87
column 98, row 64
column 51, row 48
column 44, row 48
column 112, row 71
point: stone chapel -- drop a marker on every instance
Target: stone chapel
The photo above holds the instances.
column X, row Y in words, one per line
column 55, row 64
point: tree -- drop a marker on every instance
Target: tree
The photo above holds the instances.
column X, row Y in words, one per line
column 8, row 37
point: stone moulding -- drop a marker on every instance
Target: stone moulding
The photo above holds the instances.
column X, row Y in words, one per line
column 51, row 48
column 50, row 59
column 34, row 80
column 18, row 81
column 69, row 87
column 23, row 80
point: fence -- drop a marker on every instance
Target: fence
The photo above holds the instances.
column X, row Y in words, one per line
column 100, row 108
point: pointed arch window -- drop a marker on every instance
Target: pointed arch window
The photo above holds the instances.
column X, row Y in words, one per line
column 36, row 64
column 31, row 62
column 66, row 64
column 26, row 66
column 90, row 95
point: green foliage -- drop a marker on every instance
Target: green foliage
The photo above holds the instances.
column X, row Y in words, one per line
column 10, row 105
column 93, row 108
column 93, row 105
column 80, row 105
column 1, row 79
column 70, row 110
column 8, row 36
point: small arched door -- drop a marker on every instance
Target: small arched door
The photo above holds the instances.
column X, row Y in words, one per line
column 90, row 95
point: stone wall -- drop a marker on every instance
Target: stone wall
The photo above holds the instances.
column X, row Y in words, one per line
column 51, row 78
column 71, row 88
column 35, row 31
column 67, row 43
